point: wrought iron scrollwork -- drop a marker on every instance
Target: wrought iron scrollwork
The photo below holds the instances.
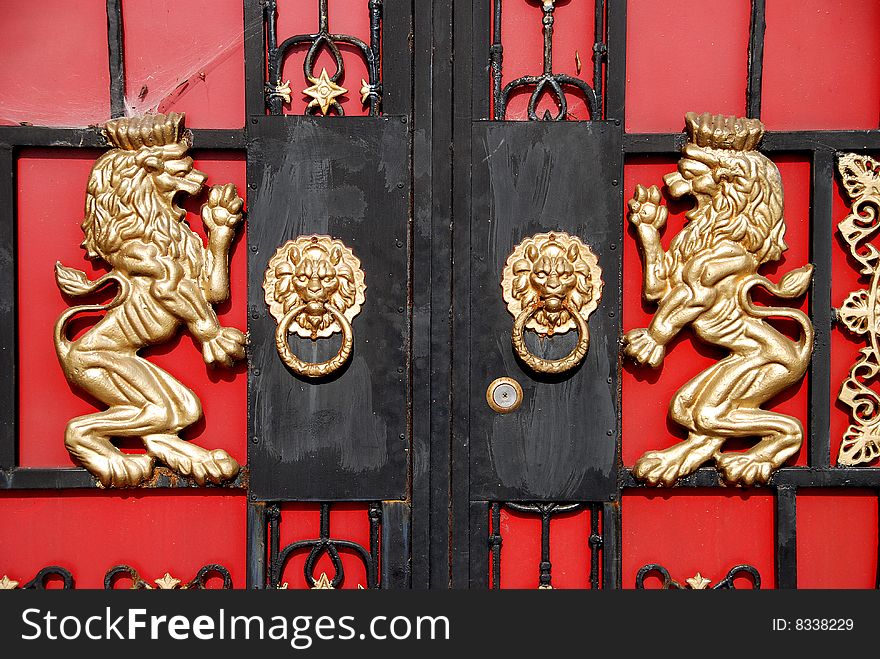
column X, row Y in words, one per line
column 324, row 544
column 860, row 175
column 39, row 581
column 546, row 510
column 167, row 582
column 698, row 581
column 325, row 88
column 554, row 83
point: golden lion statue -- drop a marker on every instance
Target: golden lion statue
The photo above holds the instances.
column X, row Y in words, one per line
column 166, row 277
column 704, row 280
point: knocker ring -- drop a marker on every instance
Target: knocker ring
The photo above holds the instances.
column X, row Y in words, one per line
column 539, row 364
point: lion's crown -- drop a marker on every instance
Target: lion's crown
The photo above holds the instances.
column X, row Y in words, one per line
column 718, row 131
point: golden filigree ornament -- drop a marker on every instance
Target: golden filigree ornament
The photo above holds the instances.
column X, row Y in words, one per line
column 165, row 278
column 860, row 312
column 705, row 281
column 281, row 90
column 551, row 283
column 323, row 92
column 314, row 287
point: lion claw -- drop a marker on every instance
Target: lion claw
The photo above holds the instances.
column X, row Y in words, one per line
column 744, row 469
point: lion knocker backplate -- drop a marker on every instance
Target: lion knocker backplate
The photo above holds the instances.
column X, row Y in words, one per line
column 166, row 278
column 314, row 287
column 705, row 281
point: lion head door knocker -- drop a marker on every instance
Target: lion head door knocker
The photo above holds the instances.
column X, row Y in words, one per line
column 705, row 280
column 551, row 283
column 314, row 287
column 166, row 277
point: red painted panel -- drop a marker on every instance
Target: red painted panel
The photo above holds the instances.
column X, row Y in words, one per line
column 88, row 532
column 821, row 64
column 186, row 57
column 521, row 549
column 522, row 37
column 48, row 231
column 346, row 17
column 836, row 539
column 683, row 57
column 347, row 522
column 55, row 68
column 647, row 392
column 845, row 346
column 698, row 531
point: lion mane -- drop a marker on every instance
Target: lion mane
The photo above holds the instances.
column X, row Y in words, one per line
column 122, row 199
column 283, row 297
column 522, row 289
column 744, row 204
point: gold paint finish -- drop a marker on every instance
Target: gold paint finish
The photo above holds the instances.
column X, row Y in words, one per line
column 859, row 314
column 314, row 287
column 8, row 584
column 165, row 278
column 504, row 395
column 323, row 92
column 167, row 582
column 705, row 281
column 551, row 283
column 322, row 583
column 698, row 582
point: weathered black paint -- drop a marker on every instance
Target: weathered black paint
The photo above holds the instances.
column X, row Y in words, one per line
column 561, row 444
column 343, row 437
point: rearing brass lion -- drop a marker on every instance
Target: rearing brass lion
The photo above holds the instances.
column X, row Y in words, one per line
column 166, row 277
column 705, row 280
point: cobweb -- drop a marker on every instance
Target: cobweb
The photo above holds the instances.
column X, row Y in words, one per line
column 173, row 81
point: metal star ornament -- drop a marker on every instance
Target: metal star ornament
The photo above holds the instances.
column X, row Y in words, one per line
column 167, row 582
column 698, row 582
column 322, row 583
column 7, row 584
column 323, row 92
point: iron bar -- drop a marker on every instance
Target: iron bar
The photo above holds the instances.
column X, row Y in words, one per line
column 757, row 25
column 821, row 247
column 116, row 57
column 786, row 537
column 600, row 50
column 596, row 545
column 495, row 541
column 8, row 312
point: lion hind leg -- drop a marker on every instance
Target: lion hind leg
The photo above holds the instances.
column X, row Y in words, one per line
column 87, row 439
column 668, row 465
column 782, row 437
column 189, row 459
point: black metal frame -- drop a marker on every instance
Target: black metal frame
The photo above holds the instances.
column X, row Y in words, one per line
column 438, row 537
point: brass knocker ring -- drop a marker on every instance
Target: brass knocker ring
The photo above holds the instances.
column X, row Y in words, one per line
column 314, row 369
column 539, row 364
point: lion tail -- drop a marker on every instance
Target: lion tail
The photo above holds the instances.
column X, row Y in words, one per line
column 74, row 282
column 793, row 284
